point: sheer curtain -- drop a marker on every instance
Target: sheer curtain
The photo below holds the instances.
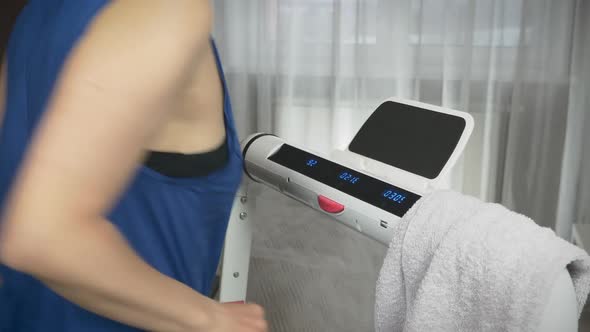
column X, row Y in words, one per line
column 311, row 71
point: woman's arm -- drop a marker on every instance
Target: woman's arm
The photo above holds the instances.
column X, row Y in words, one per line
column 116, row 88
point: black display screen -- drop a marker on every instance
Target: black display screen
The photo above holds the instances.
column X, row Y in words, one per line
column 366, row 188
column 416, row 140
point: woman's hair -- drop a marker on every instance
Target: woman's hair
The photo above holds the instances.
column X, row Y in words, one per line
column 9, row 10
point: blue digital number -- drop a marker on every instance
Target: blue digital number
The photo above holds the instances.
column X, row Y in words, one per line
column 393, row 196
column 312, row 162
column 348, row 177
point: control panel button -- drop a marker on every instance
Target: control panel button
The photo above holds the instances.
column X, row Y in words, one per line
column 329, row 205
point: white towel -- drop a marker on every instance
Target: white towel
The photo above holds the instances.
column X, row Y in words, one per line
column 458, row 264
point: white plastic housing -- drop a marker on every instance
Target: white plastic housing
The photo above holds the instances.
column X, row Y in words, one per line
column 358, row 215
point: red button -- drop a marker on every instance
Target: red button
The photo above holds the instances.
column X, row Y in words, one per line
column 329, row 205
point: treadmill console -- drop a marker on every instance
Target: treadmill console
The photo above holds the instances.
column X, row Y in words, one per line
column 405, row 144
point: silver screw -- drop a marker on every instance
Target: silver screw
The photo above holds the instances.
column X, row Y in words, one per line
column 236, row 274
column 243, row 199
column 243, row 215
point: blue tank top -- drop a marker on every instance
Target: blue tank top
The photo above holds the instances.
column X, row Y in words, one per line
column 177, row 225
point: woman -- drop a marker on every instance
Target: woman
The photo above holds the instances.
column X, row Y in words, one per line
column 119, row 163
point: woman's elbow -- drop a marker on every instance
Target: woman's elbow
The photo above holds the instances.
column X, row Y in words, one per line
column 21, row 249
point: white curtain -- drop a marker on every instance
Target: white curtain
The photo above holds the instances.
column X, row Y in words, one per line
column 311, row 71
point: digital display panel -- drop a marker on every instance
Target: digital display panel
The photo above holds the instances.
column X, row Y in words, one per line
column 366, row 188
